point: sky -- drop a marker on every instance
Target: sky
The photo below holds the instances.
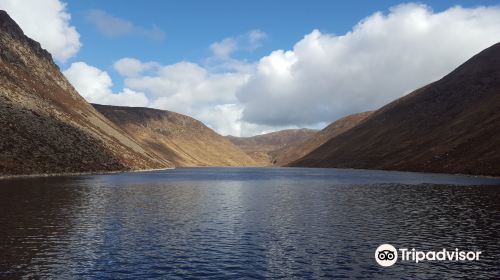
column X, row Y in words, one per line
column 251, row 67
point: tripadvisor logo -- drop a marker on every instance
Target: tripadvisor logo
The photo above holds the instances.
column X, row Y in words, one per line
column 387, row 255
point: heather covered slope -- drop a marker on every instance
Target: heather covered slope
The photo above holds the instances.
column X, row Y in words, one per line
column 182, row 139
column 46, row 126
column 261, row 147
column 451, row 125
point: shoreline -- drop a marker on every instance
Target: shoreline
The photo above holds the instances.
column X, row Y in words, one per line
column 42, row 175
column 71, row 174
column 402, row 171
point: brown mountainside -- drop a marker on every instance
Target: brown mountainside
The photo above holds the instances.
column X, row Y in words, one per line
column 261, row 147
column 46, row 126
column 182, row 139
column 452, row 126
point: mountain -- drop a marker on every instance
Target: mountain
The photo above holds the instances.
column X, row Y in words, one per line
column 46, row 126
column 261, row 147
column 182, row 139
column 451, row 125
column 290, row 153
column 282, row 147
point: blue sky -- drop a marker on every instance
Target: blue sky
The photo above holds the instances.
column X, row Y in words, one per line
column 251, row 67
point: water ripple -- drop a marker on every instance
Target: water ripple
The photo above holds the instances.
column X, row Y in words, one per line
column 245, row 224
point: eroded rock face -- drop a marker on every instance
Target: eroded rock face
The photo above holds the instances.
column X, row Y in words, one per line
column 46, row 126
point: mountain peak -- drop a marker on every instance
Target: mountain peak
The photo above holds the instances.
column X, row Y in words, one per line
column 7, row 24
column 10, row 27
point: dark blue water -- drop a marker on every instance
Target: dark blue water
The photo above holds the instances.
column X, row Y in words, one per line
column 245, row 223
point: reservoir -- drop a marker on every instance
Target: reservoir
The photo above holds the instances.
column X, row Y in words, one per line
column 245, row 223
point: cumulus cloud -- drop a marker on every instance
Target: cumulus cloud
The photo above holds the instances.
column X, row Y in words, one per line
column 384, row 57
column 95, row 86
column 190, row 89
column 223, row 118
column 48, row 22
column 112, row 26
column 131, row 67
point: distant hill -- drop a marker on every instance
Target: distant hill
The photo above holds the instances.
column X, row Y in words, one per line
column 289, row 153
column 46, row 126
column 261, row 147
column 178, row 138
column 451, row 125
column 282, row 147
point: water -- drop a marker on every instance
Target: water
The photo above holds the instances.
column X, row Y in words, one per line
column 230, row 223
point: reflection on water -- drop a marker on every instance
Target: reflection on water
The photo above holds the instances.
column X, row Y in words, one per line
column 243, row 223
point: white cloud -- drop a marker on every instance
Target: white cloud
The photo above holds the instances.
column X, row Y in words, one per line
column 224, row 118
column 255, row 38
column 246, row 42
column 222, row 59
column 95, row 86
column 131, row 67
column 48, row 22
column 113, row 26
column 189, row 89
column 224, row 48
column 326, row 76
column 127, row 97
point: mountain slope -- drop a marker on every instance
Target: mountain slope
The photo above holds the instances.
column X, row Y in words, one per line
column 290, row 153
column 46, row 126
column 182, row 139
column 261, row 147
column 452, row 126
